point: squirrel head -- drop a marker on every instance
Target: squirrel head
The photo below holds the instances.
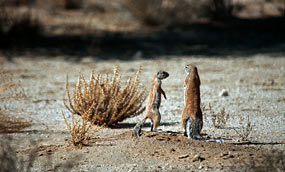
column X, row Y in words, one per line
column 161, row 74
column 190, row 68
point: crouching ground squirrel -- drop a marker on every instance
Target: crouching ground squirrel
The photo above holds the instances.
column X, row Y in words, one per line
column 192, row 118
column 152, row 107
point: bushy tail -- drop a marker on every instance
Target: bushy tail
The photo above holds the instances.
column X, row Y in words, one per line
column 193, row 128
column 138, row 127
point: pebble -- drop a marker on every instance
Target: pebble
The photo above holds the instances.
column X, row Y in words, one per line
column 200, row 166
column 183, row 156
column 197, row 157
column 223, row 154
column 224, row 93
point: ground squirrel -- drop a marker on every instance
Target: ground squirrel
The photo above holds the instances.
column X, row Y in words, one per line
column 192, row 118
column 152, row 107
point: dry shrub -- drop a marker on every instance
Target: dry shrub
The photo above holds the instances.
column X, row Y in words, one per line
column 73, row 4
column 16, row 25
column 80, row 130
column 104, row 101
column 18, row 2
column 160, row 12
column 245, row 130
column 220, row 9
column 10, row 124
column 203, row 107
column 219, row 119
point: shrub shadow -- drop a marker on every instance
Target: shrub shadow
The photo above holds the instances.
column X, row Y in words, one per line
column 258, row 143
column 146, row 125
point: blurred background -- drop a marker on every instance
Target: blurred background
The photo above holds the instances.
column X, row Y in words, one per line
column 131, row 29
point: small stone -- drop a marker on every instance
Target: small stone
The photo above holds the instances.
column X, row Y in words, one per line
column 200, row 166
column 223, row 154
column 240, row 81
column 183, row 156
column 270, row 82
column 231, row 156
column 49, row 150
column 224, row 93
column 197, row 157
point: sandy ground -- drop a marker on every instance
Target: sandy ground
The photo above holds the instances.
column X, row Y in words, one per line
column 256, row 88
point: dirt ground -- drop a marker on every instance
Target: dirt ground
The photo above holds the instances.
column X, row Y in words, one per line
column 242, row 70
column 255, row 86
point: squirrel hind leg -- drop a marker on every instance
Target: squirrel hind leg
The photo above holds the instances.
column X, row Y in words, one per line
column 193, row 129
column 151, row 125
column 137, row 129
column 189, row 128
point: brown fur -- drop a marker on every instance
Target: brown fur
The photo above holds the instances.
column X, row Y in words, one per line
column 153, row 104
column 192, row 110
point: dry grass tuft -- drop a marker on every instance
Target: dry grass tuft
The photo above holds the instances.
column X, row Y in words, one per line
column 80, row 130
column 203, row 107
column 10, row 90
column 160, row 12
column 10, row 124
column 246, row 130
column 104, row 101
column 219, row 9
column 219, row 119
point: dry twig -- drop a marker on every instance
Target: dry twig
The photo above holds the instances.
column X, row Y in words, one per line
column 245, row 131
column 219, row 119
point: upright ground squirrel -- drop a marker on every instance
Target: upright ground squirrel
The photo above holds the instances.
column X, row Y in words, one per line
column 152, row 107
column 192, row 118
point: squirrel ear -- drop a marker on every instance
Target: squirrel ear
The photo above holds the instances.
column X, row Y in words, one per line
column 166, row 74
